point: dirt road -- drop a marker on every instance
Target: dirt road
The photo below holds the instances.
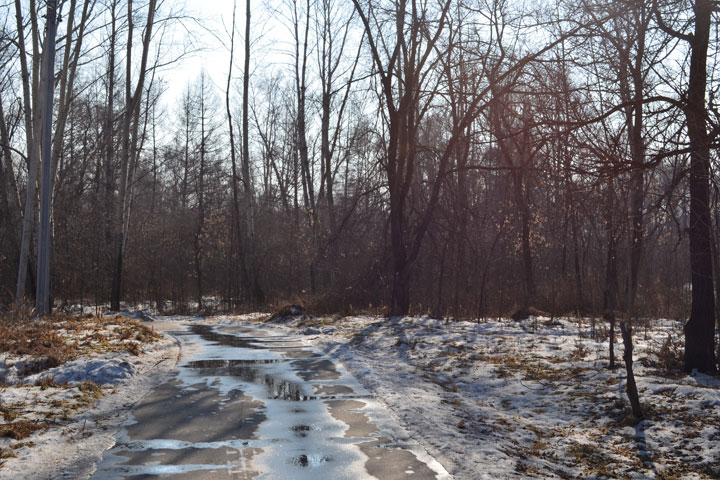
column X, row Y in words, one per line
column 246, row 404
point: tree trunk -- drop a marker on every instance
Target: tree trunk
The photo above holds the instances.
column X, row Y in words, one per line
column 48, row 88
column 201, row 200
column 129, row 137
column 515, row 146
column 700, row 329
column 109, row 137
column 7, row 182
column 71, row 58
column 527, row 259
column 462, row 208
column 579, row 289
column 301, row 92
column 611, row 282
column 255, row 291
column 631, row 388
column 400, row 301
column 633, row 69
column 235, row 239
column 32, row 133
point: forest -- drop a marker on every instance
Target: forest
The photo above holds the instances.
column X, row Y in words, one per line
column 458, row 159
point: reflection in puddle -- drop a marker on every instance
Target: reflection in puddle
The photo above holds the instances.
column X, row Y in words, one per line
column 316, row 369
column 301, row 428
column 301, row 431
column 309, row 460
column 251, row 371
column 224, row 364
column 208, row 333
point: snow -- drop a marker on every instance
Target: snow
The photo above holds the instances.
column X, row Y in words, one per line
column 532, row 399
column 104, row 370
column 500, row 399
column 75, row 439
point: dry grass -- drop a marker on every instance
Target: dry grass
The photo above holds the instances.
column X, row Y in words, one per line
column 35, row 345
column 20, row 429
column 8, row 413
column 36, row 414
column 37, row 339
column 57, row 339
column 666, row 359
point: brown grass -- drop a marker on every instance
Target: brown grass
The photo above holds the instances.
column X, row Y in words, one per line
column 39, row 344
column 9, row 414
column 54, row 340
column 666, row 359
column 20, row 429
column 48, row 381
column 38, row 339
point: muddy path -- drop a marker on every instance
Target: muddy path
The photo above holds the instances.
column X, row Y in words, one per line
column 245, row 403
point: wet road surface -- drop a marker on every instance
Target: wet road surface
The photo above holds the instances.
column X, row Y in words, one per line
column 246, row 404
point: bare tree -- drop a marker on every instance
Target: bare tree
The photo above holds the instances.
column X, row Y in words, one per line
column 700, row 328
column 337, row 76
column 73, row 41
column 256, row 295
column 11, row 199
column 29, row 86
column 235, row 241
column 130, row 128
column 408, row 51
column 403, row 59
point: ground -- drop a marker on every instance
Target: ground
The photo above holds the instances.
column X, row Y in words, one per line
column 497, row 399
column 66, row 387
column 508, row 399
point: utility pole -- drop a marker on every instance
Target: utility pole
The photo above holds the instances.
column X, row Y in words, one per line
column 43, row 277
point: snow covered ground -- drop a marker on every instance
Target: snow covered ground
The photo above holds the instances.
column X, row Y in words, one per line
column 57, row 422
column 501, row 399
column 532, row 399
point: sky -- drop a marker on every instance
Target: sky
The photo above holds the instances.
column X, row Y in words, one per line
column 212, row 41
column 210, row 33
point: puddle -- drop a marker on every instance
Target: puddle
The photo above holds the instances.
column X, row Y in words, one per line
column 302, row 431
column 225, row 364
column 207, row 332
column 332, row 389
column 294, row 352
column 251, row 371
column 248, row 404
column 210, row 334
column 301, row 428
column 316, row 369
column 309, row 460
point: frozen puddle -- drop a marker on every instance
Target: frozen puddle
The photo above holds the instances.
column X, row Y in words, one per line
column 248, row 405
